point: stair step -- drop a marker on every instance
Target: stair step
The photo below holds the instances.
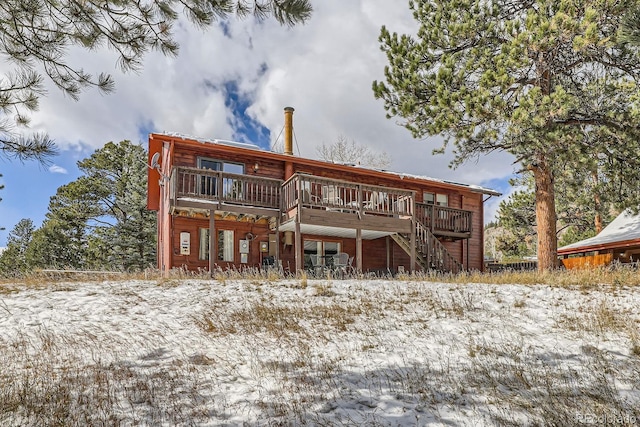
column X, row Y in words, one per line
column 439, row 254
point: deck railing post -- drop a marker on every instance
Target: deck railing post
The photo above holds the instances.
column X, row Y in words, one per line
column 414, row 227
column 219, row 186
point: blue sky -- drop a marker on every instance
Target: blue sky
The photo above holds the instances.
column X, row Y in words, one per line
column 233, row 82
column 28, row 187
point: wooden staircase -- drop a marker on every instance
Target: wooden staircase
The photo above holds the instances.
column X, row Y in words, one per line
column 430, row 252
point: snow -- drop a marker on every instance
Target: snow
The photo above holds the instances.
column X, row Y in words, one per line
column 246, row 145
column 323, row 352
column 625, row 227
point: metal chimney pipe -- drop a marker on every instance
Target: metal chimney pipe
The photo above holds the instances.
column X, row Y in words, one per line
column 288, row 130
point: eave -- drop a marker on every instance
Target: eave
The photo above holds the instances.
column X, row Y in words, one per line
column 624, row 244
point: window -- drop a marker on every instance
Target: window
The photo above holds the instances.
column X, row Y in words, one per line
column 210, row 164
column 203, row 252
column 442, row 200
column 225, row 245
column 312, row 248
column 208, row 184
column 435, row 199
column 319, row 249
column 219, row 165
column 331, row 248
column 429, row 198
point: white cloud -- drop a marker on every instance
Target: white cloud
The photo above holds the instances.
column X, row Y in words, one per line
column 57, row 169
column 323, row 69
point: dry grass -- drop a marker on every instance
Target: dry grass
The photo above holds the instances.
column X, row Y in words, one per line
column 435, row 349
column 617, row 276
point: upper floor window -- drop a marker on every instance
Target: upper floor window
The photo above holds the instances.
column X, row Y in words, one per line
column 429, row 198
column 209, row 184
column 219, row 165
column 435, row 199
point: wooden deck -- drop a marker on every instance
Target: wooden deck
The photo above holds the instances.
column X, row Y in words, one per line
column 319, row 202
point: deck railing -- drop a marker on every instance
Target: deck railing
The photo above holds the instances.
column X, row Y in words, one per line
column 434, row 252
column 226, row 187
column 314, row 192
column 325, row 193
column 444, row 219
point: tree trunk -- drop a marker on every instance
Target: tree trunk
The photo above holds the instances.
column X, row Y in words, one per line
column 598, row 223
column 597, row 204
column 545, row 215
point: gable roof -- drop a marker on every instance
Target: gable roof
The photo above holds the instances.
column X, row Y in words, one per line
column 621, row 232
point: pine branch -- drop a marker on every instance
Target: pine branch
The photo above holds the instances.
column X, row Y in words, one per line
column 38, row 147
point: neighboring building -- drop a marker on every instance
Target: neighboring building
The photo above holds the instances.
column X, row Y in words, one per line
column 251, row 207
column 618, row 241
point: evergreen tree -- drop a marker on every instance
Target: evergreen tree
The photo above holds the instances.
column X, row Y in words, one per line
column 1, row 188
column 100, row 220
column 545, row 80
column 36, row 36
column 59, row 243
column 586, row 201
column 13, row 260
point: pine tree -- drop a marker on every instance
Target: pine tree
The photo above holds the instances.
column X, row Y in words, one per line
column 545, row 80
column 13, row 260
column 36, row 37
column 60, row 243
column 100, row 220
column 1, row 188
column 586, row 201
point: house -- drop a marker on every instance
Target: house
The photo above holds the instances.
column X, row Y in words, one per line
column 225, row 204
column 619, row 241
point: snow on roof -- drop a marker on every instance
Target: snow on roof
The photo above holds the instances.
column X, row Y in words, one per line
column 625, row 227
column 213, row 141
column 472, row 187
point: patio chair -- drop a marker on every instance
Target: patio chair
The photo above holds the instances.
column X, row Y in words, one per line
column 316, row 263
column 330, row 196
column 341, row 262
column 375, row 201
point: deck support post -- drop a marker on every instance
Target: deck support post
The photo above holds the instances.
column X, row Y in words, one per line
column 298, row 246
column 359, row 249
column 212, row 240
column 412, row 263
column 277, row 254
column 467, row 260
column 414, row 225
column 388, row 248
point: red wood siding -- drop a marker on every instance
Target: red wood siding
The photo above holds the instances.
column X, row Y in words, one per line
column 378, row 255
column 153, row 177
column 260, row 233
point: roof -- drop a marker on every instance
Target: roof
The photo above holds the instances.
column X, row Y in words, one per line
column 213, row 141
column 243, row 145
column 622, row 231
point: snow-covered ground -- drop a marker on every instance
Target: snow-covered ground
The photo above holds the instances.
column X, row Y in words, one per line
column 318, row 352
